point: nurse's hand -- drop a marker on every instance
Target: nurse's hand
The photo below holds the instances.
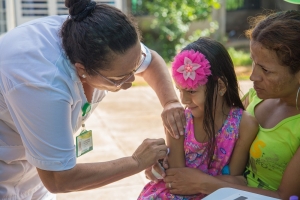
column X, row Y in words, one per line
column 149, row 152
column 174, row 119
column 156, row 170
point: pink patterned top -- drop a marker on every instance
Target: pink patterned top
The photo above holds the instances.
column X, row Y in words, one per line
column 195, row 155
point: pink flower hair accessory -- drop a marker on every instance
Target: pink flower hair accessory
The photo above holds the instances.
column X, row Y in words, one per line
column 190, row 69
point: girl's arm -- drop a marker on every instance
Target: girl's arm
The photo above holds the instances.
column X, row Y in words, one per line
column 175, row 159
column 247, row 133
column 176, row 156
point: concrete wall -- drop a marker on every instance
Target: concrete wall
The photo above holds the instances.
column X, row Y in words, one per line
column 237, row 21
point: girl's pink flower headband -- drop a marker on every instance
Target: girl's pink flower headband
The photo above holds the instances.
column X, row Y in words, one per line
column 190, row 69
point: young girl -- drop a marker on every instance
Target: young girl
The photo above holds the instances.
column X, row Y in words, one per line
column 218, row 132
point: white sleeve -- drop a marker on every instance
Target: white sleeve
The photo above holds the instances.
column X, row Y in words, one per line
column 42, row 115
column 147, row 60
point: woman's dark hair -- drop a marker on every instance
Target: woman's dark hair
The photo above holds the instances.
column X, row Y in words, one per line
column 279, row 32
column 93, row 33
column 221, row 67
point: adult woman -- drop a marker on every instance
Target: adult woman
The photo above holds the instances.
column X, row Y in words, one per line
column 50, row 83
column 273, row 167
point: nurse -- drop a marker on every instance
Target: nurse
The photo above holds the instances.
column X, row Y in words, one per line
column 53, row 73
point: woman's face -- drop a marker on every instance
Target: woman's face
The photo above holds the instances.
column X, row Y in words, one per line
column 122, row 67
column 270, row 78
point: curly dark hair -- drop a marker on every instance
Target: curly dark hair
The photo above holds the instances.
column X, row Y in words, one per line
column 279, row 32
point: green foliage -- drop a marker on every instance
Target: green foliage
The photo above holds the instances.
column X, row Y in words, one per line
column 172, row 20
column 234, row 4
column 239, row 57
column 196, row 34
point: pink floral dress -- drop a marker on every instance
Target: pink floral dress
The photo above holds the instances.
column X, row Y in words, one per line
column 195, row 155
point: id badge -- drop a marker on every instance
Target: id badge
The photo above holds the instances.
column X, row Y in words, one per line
column 84, row 143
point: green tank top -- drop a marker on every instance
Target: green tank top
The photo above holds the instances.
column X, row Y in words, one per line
column 272, row 149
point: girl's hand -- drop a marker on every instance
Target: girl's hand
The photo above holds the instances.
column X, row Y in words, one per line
column 149, row 152
column 173, row 118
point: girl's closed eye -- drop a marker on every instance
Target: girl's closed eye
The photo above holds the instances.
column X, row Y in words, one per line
column 191, row 91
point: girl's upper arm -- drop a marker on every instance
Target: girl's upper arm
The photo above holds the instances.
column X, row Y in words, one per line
column 176, row 156
column 247, row 133
column 290, row 182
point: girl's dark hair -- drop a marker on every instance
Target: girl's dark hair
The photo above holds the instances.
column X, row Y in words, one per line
column 279, row 32
column 93, row 33
column 221, row 67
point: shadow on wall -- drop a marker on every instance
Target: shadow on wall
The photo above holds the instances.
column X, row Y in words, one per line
column 1, row 35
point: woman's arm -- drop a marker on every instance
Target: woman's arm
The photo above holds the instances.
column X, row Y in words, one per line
column 290, row 182
column 158, row 77
column 93, row 175
column 247, row 133
column 187, row 181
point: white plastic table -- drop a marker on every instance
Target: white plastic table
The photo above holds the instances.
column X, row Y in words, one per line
column 235, row 194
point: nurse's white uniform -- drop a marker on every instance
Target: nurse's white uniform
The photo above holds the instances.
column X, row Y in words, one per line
column 41, row 98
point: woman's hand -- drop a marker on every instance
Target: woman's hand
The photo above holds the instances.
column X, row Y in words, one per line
column 173, row 118
column 184, row 181
column 189, row 181
column 149, row 152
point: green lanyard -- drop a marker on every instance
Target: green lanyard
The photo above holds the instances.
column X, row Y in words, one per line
column 86, row 108
column 84, row 141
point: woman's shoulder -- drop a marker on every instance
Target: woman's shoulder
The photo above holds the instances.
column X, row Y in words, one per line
column 290, row 124
column 36, row 55
column 248, row 126
column 32, row 39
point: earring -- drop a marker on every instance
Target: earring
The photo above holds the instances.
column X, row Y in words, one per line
column 221, row 93
column 83, row 76
column 297, row 99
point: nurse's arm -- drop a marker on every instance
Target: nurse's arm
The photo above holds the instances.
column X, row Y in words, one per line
column 85, row 176
column 158, row 77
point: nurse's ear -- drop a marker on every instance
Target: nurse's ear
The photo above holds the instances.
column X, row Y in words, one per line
column 80, row 70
